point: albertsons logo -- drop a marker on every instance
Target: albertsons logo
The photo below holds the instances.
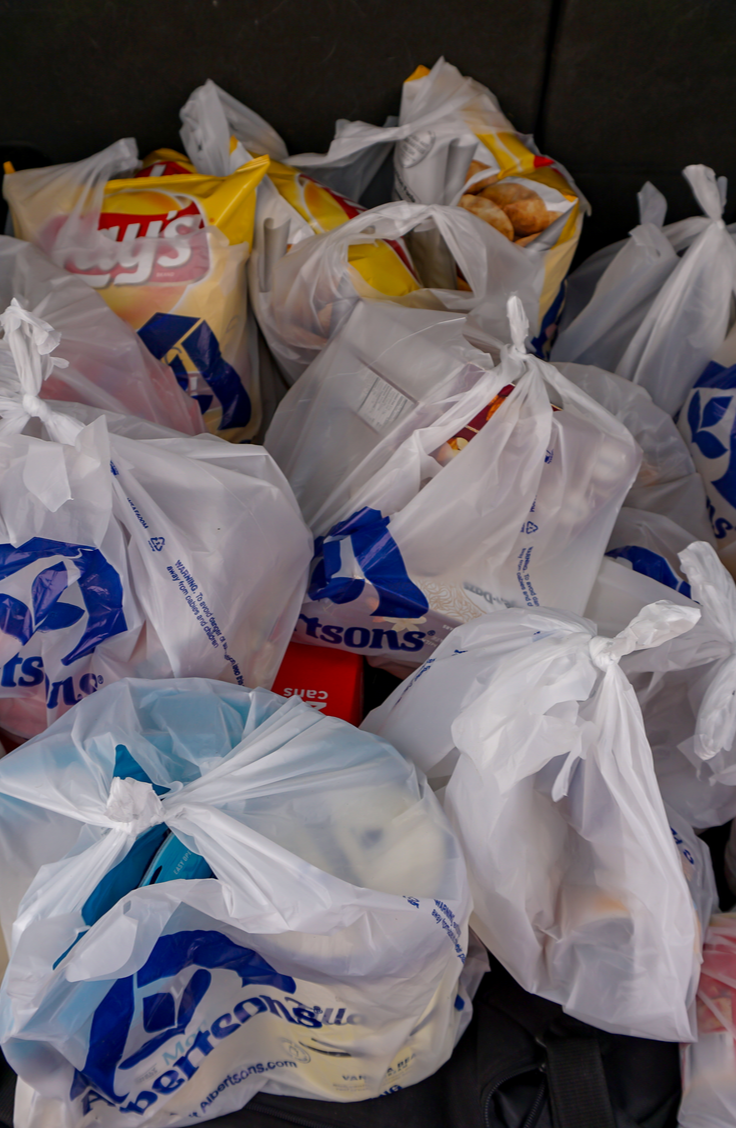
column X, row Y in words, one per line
column 49, row 585
column 159, row 1010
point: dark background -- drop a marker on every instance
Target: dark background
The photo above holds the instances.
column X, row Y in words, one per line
column 620, row 91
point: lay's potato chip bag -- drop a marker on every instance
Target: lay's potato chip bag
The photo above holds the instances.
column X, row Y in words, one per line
column 166, row 248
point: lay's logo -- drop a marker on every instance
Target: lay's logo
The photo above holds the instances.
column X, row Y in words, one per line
column 156, row 237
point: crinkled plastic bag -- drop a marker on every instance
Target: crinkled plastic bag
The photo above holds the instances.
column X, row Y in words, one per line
column 459, row 148
column 108, row 366
column 167, row 252
column 667, row 484
column 690, row 316
column 435, row 500
column 220, row 134
column 325, row 957
column 129, row 549
column 577, row 883
column 709, row 1064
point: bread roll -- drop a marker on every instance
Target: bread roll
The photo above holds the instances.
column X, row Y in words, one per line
column 529, row 217
column 478, row 166
column 489, row 212
column 505, row 192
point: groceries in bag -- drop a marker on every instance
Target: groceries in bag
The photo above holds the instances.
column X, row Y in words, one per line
column 461, row 149
column 131, row 549
column 577, row 883
column 685, row 689
column 108, row 366
column 709, row 1064
column 439, row 487
column 220, row 134
column 315, row 287
column 319, row 947
column 168, row 254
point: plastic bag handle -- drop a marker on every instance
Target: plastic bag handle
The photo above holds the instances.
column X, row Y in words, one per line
column 31, row 342
column 706, row 189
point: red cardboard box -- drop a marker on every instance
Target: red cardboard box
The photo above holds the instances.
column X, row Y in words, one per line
column 329, row 680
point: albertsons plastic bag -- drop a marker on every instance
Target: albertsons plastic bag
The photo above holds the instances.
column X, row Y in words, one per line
column 124, row 553
column 577, row 883
column 323, row 955
column 168, row 254
column 466, row 494
column 108, row 366
column 220, row 134
column 708, row 423
column 690, row 316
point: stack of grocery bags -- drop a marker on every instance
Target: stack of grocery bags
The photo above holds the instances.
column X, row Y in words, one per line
column 240, row 413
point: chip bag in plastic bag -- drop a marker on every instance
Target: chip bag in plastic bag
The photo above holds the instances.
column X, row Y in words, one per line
column 108, row 569
column 108, row 366
column 438, row 486
column 220, row 134
column 317, row 949
column 167, row 252
column 459, row 148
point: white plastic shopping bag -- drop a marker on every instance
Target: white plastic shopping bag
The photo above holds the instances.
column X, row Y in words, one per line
column 623, row 294
column 577, row 883
column 129, row 549
column 318, row 949
column 457, row 147
column 316, row 285
column 108, row 366
column 220, row 135
column 708, row 423
column 167, row 250
column 690, row 316
column 468, row 494
column 667, row 484
column 709, row 1064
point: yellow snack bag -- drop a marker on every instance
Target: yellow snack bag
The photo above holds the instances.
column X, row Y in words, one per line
column 168, row 257
column 472, row 156
column 384, row 264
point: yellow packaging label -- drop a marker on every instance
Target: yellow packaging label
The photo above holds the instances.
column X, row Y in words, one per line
column 176, row 273
column 384, row 264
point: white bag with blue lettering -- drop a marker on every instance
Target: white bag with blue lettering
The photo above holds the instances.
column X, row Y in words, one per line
column 465, row 496
column 128, row 549
column 576, row 880
column 708, row 423
column 316, row 946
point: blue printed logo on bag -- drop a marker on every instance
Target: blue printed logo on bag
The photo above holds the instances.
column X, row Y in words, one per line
column 60, row 595
column 708, row 423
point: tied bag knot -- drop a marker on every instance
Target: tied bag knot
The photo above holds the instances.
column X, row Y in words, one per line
column 134, row 804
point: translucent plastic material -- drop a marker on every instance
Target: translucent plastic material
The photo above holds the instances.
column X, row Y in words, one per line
column 108, row 366
column 326, row 958
column 129, row 549
column 576, row 879
column 440, row 487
